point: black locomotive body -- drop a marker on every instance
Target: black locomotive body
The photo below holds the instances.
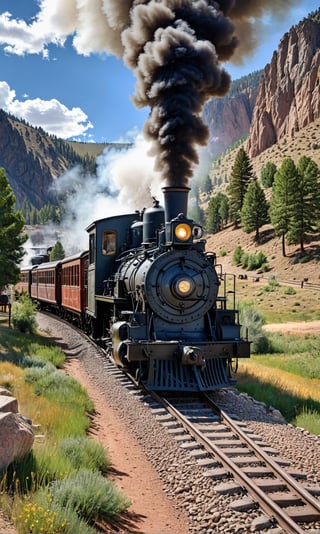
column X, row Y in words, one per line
column 156, row 299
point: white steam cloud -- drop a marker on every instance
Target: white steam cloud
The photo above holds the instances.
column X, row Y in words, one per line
column 125, row 182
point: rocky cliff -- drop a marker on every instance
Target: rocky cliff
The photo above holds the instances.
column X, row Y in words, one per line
column 229, row 118
column 289, row 93
column 30, row 159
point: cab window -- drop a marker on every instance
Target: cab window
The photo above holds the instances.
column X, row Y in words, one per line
column 109, row 241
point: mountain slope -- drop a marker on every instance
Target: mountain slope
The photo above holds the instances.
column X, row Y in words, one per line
column 33, row 160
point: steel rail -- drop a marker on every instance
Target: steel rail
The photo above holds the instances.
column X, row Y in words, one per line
column 267, row 504
column 304, row 494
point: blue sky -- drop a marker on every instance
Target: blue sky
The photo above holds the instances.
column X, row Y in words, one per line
column 73, row 88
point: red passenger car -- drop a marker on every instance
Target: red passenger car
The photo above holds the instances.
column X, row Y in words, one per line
column 46, row 284
column 24, row 284
column 74, row 282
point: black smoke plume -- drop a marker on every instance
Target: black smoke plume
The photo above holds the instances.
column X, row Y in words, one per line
column 175, row 48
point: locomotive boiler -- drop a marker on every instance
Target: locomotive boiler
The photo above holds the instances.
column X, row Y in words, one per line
column 158, row 301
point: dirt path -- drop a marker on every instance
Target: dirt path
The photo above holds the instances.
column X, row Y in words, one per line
column 151, row 511
column 301, row 328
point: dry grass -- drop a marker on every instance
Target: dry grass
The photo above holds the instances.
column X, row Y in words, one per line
column 303, row 303
column 292, row 384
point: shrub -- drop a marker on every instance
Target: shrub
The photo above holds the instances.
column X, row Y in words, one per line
column 305, row 259
column 256, row 260
column 273, row 284
column 84, row 452
column 252, row 321
column 90, row 495
column 50, row 354
column 237, row 255
column 248, row 261
column 223, row 252
column 290, row 291
column 40, row 517
column 24, row 315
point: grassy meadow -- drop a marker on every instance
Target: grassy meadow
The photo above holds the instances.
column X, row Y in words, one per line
column 287, row 374
column 61, row 485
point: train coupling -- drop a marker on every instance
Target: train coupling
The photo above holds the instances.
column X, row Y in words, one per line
column 193, row 356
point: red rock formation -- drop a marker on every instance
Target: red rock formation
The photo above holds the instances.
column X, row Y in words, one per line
column 289, row 93
column 229, row 118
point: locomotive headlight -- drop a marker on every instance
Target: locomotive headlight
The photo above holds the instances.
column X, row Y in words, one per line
column 183, row 286
column 183, row 232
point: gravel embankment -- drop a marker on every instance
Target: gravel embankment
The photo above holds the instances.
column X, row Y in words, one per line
column 182, row 477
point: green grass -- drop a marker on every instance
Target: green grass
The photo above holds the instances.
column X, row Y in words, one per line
column 288, row 379
column 37, row 486
column 308, row 419
column 18, row 348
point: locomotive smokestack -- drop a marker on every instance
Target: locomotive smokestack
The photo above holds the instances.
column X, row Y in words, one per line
column 175, row 201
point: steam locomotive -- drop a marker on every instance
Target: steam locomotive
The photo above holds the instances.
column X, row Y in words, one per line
column 151, row 294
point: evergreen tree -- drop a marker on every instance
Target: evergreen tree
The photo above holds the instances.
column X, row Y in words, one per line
column 306, row 207
column 224, row 209
column 33, row 218
column 241, row 175
column 254, row 213
column 26, row 210
column 283, row 199
column 213, row 222
column 267, row 174
column 57, row 252
column 217, row 213
column 11, row 237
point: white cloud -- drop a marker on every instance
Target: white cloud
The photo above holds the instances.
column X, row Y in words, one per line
column 53, row 116
column 18, row 37
column 86, row 20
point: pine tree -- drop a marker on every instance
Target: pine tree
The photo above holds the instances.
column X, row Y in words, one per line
column 254, row 213
column 306, row 207
column 11, row 236
column 267, row 174
column 224, row 209
column 283, row 199
column 241, row 175
column 213, row 222
column 57, row 252
column 216, row 213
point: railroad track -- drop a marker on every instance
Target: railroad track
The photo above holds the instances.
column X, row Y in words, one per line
column 230, row 452
column 237, row 461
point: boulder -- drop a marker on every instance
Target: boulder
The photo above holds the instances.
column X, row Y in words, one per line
column 16, row 438
column 8, row 404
